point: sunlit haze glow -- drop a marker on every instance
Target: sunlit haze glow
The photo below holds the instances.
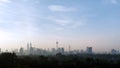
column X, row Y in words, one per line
column 79, row 23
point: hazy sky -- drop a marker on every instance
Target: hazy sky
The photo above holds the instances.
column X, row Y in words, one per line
column 79, row 23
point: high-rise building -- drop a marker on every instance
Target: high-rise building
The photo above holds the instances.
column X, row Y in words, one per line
column 0, row 50
column 31, row 50
column 21, row 51
column 113, row 51
column 89, row 50
column 69, row 48
column 53, row 50
column 28, row 47
column 56, row 44
column 61, row 50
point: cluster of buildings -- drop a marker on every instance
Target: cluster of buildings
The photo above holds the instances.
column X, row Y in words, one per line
column 37, row 51
column 53, row 51
column 30, row 50
column 113, row 51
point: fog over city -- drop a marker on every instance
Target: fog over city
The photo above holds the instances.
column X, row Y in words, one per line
column 75, row 23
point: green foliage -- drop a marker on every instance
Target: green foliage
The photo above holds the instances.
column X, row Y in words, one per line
column 10, row 60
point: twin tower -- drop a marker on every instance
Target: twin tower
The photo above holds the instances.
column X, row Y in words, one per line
column 29, row 45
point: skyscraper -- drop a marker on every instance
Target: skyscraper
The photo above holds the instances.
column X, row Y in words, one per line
column 61, row 50
column 28, row 47
column 69, row 48
column 21, row 51
column 31, row 48
column 113, row 51
column 0, row 50
column 56, row 44
column 89, row 50
column 30, row 44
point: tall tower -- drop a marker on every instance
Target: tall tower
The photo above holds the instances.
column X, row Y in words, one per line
column 28, row 47
column 0, row 50
column 69, row 48
column 56, row 44
column 30, row 44
column 89, row 50
column 31, row 48
column 21, row 51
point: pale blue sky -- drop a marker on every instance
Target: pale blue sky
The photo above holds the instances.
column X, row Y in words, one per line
column 80, row 23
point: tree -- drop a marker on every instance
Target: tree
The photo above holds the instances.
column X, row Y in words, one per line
column 8, row 60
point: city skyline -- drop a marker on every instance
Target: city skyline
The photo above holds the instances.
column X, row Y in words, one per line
column 31, row 50
column 78, row 23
